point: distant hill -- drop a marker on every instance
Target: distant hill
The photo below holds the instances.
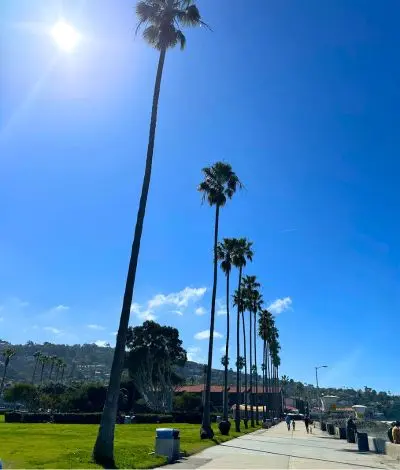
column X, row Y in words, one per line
column 87, row 362
column 93, row 363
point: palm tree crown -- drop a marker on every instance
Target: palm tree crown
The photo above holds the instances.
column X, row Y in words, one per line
column 225, row 252
column 162, row 20
column 220, row 183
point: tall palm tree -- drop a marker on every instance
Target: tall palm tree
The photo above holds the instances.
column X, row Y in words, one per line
column 59, row 363
column 44, row 359
column 274, row 348
column 37, row 357
column 264, row 330
column 257, row 304
column 284, row 381
column 8, row 353
column 252, row 299
column 220, row 184
column 161, row 20
column 239, row 366
column 63, row 365
column 52, row 361
column 242, row 254
column 225, row 363
column 225, row 251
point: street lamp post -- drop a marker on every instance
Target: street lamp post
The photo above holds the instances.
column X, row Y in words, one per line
column 319, row 395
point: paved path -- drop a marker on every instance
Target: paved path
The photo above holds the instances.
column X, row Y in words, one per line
column 278, row 448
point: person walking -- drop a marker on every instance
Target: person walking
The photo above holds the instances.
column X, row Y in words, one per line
column 396, row 433
column 287, row 420
column 390, row 432
column 307, row 423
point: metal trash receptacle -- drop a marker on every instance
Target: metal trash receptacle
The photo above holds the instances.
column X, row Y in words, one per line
column 168, row 443
column 362, row 442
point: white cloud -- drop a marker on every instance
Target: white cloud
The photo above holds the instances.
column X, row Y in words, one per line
column 143, row 315
column 93, row 326
column 206, row 334
column 194, row 354
column 221, row 307
column 200, row 311
column 60, row 308
column 53, row 330
column 180, row 299
column 102, row 343
column 178, row 312
column 280, row 305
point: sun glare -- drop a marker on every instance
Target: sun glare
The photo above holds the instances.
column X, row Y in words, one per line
column 66, row 36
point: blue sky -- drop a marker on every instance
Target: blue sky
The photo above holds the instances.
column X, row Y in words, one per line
column 301, row 98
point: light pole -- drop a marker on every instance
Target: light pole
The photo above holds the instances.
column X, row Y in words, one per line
column 319, row 396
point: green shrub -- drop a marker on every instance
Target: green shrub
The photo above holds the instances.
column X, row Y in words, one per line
column 149, row 418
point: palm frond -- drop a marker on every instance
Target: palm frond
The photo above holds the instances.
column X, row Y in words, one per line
column 181, row 39
column 151, row 35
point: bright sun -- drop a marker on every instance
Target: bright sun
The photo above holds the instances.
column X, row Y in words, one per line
column 66, row 36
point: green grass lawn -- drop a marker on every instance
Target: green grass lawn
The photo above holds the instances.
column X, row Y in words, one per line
column 70, row 445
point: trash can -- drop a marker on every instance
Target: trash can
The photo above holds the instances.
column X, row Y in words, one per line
column 351, row 436
column 323, row 426
column 168, row 443
column 362, row 441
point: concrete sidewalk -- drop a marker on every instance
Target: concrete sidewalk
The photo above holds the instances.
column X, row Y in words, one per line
column 278, row 448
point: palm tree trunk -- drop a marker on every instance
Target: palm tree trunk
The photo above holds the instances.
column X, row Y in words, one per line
column 62, row 374
column 246, row 413
column 264, row 373
column 41, row 373
column 225, row 415
column 206, row 431
column 4, row 377
column 34, row 371
column 238, row 386
column 255, row 367
column 251, row 371
column 103, row 452
column 268, row 380
column 51, row 371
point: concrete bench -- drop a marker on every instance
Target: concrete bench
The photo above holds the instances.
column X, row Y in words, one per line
column 393, row 450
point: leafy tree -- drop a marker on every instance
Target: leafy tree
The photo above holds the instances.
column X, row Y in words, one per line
column 8, row 353
column 161, row 20
column 220, row 184
column 154, row 351
column 243, row 253
column 187, row 402
column 23, row 393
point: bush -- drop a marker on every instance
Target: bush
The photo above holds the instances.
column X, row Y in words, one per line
column 152, row 418
column 27, row 417
column 77, row 418
column 189, row 418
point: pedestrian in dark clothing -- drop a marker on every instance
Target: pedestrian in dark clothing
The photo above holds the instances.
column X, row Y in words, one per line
column 390, row 432
column 288, row 422
column 307, row 423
